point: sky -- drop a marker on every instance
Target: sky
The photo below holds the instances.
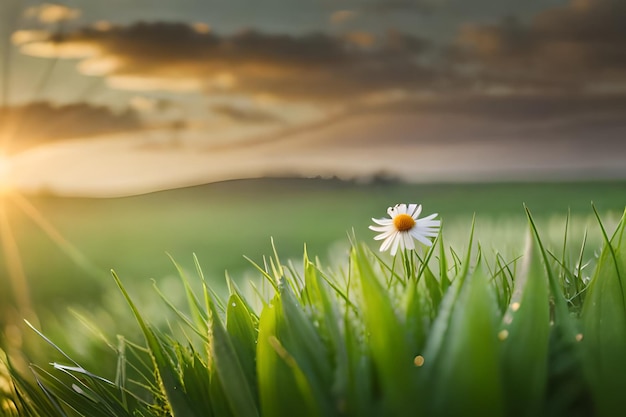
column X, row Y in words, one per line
column 120, row 97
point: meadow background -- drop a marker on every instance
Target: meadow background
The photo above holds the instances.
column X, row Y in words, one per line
column 223, row 223
column 80, row 310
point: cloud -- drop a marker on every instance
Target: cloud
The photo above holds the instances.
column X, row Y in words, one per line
column 402, row 6
column 563, row 114
column 201, row 27
column 102, row 25
column 484, row 149
column 51, row 13
column 178, row 57
column 245, row 114
column 342, row 16
column 40, row 122
column 152, row 83
column 143, row 104
column 576, row 46
column 21, row 37
column 360, row 38
column 58, row 49
column 575, row 53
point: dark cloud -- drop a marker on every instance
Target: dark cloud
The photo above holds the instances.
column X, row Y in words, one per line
column 245, row 114
column 536, row 108
column 41, row 122
column 559, row 64
column 573, row 120
column 314, row 66
column 402, row 6
column 578, row 46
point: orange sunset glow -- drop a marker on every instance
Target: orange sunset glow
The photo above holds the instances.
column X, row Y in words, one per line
column 201, row 93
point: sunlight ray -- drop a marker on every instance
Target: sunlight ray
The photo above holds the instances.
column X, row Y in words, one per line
column 14, row 265
column 67, row 247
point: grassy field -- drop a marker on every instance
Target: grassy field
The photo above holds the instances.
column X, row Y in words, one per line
column 223, row 222
column 68, row 252
column 509, row 319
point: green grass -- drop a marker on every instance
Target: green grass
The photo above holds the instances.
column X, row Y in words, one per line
column 222, row 222
column 446, row 332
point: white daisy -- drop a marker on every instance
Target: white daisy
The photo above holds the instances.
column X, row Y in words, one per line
column 404, row 226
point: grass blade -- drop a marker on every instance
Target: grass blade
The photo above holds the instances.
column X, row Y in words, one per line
column 391, row 356
column 604, row 324
column 527, row 319
column 235, row 383
column 467, row 368
column 169, row 380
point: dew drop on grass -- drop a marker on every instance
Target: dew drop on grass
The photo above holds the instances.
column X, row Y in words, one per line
column 418, row 361
column 503, row 334
column 234, row 304
column 515, row 306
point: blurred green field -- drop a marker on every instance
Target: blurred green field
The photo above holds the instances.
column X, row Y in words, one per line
column 222, row 222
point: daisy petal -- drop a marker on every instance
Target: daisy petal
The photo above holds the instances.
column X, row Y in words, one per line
column 417, row 212
column 384, row 235
column 428, row 223
column 382, row 222
column 408, row 241
column 401, row 208
column 396, row 241
column 381, row 228
column 411, row 209
column 418, row 236
column 430, row 217
column 387, row 243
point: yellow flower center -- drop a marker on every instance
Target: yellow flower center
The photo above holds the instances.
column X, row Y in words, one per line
column 403, row 222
